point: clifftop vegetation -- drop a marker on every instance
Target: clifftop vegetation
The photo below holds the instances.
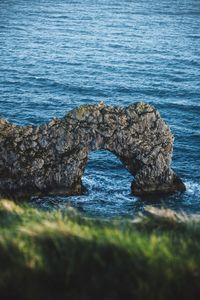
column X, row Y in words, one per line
column 62, row 255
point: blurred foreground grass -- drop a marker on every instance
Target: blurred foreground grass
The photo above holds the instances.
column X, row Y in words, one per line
column 62, row 255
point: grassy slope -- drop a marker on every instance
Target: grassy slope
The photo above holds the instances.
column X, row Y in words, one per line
column 57, row 255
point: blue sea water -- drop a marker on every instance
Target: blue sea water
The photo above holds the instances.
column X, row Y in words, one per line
column 58, row 54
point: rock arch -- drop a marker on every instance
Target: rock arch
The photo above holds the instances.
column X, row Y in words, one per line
column 51, row 158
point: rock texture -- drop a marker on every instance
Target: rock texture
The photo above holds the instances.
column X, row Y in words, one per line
column 51, row 158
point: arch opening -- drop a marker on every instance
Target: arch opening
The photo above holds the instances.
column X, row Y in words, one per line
column 104, row 173
column 106, row 187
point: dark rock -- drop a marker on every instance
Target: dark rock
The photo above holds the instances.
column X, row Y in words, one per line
column 51, row 158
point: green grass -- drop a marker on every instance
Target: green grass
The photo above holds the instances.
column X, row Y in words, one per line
column 61, row 255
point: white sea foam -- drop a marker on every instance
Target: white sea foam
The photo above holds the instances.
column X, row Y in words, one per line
column 192, row 187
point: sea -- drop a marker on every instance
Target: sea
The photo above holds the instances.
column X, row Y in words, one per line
column 58, row 54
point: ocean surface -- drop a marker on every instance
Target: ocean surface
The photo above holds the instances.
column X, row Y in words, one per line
column 58, row 54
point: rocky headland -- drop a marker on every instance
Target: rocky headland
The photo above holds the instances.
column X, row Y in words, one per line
column 51, row 158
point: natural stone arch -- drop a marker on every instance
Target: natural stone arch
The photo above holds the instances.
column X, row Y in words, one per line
column 51, row 158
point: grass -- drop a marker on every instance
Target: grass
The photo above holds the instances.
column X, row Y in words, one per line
column 62, row 255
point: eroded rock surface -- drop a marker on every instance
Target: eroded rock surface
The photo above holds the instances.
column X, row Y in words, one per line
column 51, row 158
